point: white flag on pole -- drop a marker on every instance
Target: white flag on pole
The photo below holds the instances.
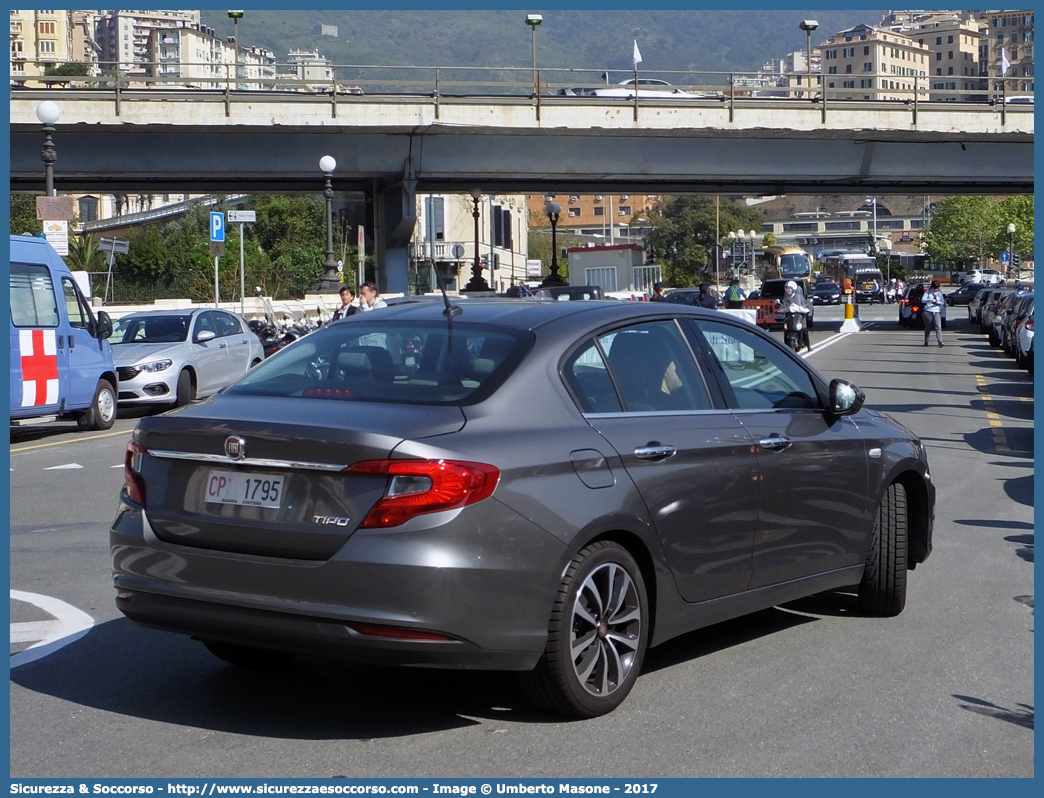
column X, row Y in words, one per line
column 1005, row 63
column 638, row 56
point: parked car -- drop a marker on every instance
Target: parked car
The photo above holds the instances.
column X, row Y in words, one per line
column 992, row 277
column 567, row 292
column 170, row 357
column 61, row 361
column 911, row 308
column 977, row 303
column 556, row 487
column 964, row 295
column 971, row 276
column 776, row 289
column 1024, row 351
column 989, row 308
column 826, row 293
column 1020, row 307
column 997, row 318
column 688, row 296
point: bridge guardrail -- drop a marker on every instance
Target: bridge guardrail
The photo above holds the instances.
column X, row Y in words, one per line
column 350, row 83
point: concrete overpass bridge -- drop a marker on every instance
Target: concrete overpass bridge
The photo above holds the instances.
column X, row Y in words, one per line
column 207, row 141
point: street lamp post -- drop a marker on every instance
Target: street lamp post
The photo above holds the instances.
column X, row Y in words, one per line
column 331, row 281
column 809, row 25
column 235, row 16
column 873, row 201
column 48, row 113
column 553, row 210
column 477, row 281
column 534, row 20
column 1011, row 250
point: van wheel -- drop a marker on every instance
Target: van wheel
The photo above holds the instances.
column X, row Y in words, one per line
column 597, row 635
column 883, row 589
column 186, row 390
column 102, row 412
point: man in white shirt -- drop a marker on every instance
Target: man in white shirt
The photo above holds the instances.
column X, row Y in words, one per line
column 933, row 306
column 369, row 299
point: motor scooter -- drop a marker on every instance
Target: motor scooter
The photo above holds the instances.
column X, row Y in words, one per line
column 794, row 324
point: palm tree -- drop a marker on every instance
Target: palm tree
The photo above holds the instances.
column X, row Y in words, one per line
column 84, row 254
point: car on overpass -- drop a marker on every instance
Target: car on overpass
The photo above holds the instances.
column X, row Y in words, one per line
column 551, row 488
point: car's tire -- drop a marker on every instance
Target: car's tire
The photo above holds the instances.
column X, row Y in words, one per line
column 186, row 390
column 102, row 413
column 595, row 648
column 994, row 340
column 249, row 657
column 255, row 362
column 883, row 589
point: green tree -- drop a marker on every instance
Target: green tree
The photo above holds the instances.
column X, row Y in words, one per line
column 1017, row 210
column 684, row 230
column 23, row 215
column 963, row 228
column 84, row 254
column 71, row 68
column 769, row 240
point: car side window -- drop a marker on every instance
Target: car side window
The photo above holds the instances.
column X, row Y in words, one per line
column 74, row 306
column 587, row 375
column 760, row 375
column 654, row 369
column 33, row 303
column 204, row 321
column 227, row 325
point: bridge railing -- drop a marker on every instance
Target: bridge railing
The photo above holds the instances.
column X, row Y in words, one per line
column 348, row 83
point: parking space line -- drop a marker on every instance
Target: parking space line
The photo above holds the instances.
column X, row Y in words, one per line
column 999, row 438
column 75, row 440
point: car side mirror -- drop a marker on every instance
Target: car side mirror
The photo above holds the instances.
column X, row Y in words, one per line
column 205, row 335
column 845, row 398
column 103, row 327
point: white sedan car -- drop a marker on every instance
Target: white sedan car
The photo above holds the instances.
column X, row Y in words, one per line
column 170, row 357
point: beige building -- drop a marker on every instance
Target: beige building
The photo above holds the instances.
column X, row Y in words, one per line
column 1012, row 33
column 446, row 232
column 954, row 61
column 123, row 37
column 872, row 63
column 194, row 57
column 39, row 39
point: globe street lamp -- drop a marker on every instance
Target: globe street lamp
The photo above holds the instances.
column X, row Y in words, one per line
column 533, row 20
column 1011, row 250
column 331, row 280
column 477, row 281
column 48, row 113
column 809, row 25
column 553, row 210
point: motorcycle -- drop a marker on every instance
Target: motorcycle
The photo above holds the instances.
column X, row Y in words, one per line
column 794, row 323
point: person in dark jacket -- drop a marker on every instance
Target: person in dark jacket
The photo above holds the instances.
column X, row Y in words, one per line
column 706, row 299
column 658, row 294
column 347, row 308
column 734, row 295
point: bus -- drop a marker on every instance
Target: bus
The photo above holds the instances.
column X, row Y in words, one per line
column 787, row 263
column 860, row 268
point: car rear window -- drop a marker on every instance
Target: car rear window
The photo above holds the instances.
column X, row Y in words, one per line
column 424, row 363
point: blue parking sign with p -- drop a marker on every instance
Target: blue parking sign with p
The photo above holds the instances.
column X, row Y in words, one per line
column 217, row 226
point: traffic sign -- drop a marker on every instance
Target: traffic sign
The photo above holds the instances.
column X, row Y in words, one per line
column 458, row 250
column 217, row 226
column 217, row 249
column 242, row 216
column 1004, row 257
column 117, row 245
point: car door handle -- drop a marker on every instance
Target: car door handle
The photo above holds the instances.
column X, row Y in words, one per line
column 222, row 346
column 775, row 443
column 655, row 452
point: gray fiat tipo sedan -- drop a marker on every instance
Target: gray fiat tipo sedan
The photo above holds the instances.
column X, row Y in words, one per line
column 544, row 487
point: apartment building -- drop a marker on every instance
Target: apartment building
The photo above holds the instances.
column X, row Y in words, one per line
column 446, row 233
column 39, row 39
column 124, row 36
column 1010, row 32
column 954, row 68
column 194, row 57
column 872, row 63
column 610, row 216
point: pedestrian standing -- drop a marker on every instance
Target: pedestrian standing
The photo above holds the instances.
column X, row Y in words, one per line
column 735, row 295
column 347, row 308
column 933, row 302
column 706, row 299
column 658, row 293
column 878, row 294
column 369, row 299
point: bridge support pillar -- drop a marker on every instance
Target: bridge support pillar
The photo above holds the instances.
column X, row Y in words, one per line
column 396, row 212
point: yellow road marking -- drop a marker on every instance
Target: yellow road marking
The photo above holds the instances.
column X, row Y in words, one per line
column 128, row 433
column 999, row 440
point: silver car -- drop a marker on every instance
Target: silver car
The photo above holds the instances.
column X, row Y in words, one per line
column 171, row 357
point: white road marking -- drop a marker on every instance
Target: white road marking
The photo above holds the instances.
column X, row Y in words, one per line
column 118, row 465
column 70, row 625
column 65, row 467
column 833, row 339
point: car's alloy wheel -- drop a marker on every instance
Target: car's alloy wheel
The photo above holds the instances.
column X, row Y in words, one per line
column 883, row 588
column 596, row 637
column 102, row 412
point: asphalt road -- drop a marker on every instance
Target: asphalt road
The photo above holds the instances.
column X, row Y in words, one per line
column 807, row 689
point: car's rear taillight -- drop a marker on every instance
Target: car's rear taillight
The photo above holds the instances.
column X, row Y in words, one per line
column 132, row 472
column 418, row 487
column 1029, row 324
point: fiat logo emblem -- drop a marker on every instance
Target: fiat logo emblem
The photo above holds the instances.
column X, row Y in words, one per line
column 235, row 447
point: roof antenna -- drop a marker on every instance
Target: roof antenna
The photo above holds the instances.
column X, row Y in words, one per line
column 446, row 271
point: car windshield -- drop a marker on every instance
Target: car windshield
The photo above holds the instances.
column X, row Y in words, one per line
column 394, row 361
column 150, row 330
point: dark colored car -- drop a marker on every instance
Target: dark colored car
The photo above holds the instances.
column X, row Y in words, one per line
column 568, row 292
column 977, row 304
column 551, row 488
column 911, row 308
column 964, row 295
column 687, row 296
column 826, row 294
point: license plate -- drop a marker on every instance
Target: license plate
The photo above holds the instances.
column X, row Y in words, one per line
column 250, row 490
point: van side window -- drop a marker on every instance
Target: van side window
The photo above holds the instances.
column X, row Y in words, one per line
column 33, row 303
column 79, row 316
